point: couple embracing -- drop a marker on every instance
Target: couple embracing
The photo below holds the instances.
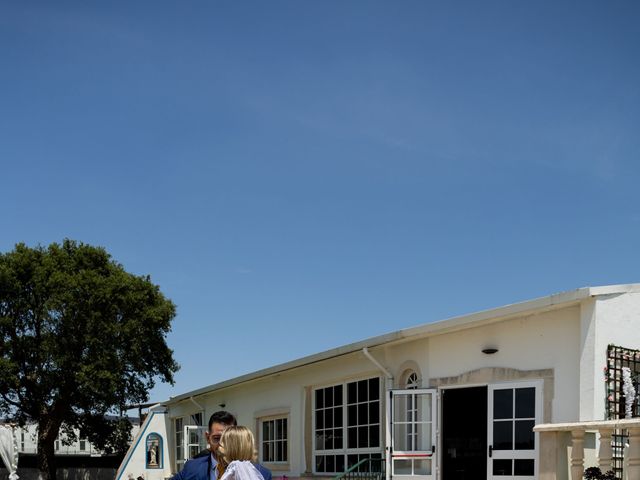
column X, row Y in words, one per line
column 231, row 454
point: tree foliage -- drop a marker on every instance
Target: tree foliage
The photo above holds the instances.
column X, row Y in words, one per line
column 80, row 338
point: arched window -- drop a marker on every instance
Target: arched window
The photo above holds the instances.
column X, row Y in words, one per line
column 153, row 451
column 412, row 381
column 409, row 379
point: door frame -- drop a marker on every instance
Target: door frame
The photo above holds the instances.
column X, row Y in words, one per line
column 539, row 386
column 440, row 438
column 435, row 417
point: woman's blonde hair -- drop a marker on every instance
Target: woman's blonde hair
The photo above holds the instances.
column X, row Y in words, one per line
column 237, row 443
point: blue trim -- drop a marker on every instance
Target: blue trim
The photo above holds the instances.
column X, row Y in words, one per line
column 140, row 435
column 160, row 461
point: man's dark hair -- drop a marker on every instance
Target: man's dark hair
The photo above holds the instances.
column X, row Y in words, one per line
column 224, row 417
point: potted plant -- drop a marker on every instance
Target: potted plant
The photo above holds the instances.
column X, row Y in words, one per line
column 594, row 473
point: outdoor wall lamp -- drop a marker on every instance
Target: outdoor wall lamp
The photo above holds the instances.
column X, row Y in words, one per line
column 489, row 350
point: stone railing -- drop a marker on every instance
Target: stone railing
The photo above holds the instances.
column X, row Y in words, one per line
column 605, row 429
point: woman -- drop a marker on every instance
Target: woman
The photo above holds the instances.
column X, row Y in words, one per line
column 237, row 451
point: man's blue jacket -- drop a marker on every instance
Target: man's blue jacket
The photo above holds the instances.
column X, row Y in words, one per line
column 198, row 469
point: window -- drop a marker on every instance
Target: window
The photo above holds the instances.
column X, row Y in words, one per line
column 411, row 409
column 83, row 445
column 346, row 425
column 273, row 441
column 195, row 440
column 179, row 424
column 412, row 381
column 514, row 419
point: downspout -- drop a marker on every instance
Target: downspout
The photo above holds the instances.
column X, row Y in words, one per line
column 197, row 404
column 387, row 406
column 201, row 408
column 365, row 350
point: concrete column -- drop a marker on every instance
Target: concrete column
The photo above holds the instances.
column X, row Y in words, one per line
column 605, row 453
column 634, row 454
column 577, row 454
column 548, row 455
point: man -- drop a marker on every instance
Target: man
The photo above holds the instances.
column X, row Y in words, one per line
column 203, row 467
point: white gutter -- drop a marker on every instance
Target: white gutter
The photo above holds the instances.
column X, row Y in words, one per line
column 387, row 409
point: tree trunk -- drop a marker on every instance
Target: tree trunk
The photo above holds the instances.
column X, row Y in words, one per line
column 47, row 433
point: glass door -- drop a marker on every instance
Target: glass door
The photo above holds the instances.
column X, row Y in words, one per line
column 413, row 434
column 514, row 409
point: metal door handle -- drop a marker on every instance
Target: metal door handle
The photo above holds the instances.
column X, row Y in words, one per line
column 490, row 450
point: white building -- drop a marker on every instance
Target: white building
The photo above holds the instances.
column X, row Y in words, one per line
column 27, row 441
column 79, row 459
column 453, row 399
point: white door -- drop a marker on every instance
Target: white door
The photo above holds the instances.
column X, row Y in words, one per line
column 513, row 410
column 413, row 434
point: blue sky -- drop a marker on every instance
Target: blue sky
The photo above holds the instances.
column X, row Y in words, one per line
column 301, row 175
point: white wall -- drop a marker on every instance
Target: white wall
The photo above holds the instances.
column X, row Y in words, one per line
column 134, row 463
column 545, row 341
column 588, row 388
column 617, row 322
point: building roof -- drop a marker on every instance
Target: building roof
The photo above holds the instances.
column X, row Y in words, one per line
column 537, row 305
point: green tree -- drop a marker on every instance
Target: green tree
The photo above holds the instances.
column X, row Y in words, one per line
column 80, row 338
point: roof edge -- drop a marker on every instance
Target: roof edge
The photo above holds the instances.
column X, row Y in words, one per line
column 440, row 326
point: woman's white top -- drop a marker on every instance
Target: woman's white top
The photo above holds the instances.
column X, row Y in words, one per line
column 241, row 470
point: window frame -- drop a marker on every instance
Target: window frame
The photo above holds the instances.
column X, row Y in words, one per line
column 345, row 451
column 411, row 382
column 180, row 438
column 178, row 434
column 274, row 464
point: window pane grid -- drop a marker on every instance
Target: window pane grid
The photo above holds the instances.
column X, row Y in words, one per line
column 274, row 440
column 514, row 418
column 341, row 432
column 178, row 430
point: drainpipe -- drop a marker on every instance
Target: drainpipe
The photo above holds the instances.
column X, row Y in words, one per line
column 365, row 350
column 200, row 407
column 196, row 404
column 387, row 406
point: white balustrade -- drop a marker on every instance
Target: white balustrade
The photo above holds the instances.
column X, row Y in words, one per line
column 605, row 454
column 605, row 429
